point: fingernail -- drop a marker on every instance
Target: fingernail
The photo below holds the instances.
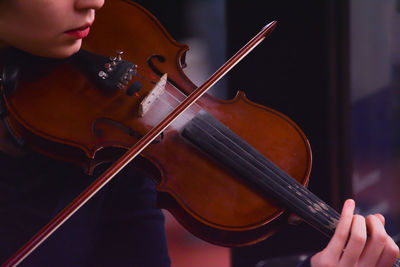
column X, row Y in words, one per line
column 350, row 203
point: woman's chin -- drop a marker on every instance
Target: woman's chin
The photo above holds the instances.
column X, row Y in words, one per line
column 61, row 51
column 66, row 51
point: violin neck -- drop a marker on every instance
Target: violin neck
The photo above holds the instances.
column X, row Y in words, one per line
column 218, row 141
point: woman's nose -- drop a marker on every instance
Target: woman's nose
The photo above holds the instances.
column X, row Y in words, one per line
column 89, row 4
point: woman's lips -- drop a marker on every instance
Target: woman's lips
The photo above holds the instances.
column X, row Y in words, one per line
column 79, row 33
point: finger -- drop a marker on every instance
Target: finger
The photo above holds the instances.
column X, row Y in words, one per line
column 376, row 241
column 381, row 218
column 389, row 255
column 356, row 243
column 339, row 239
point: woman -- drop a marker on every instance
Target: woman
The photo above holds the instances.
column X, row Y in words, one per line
column 119, row 226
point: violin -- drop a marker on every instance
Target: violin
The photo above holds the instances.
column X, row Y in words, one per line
column 230, row 171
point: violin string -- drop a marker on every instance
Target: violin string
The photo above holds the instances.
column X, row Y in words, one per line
column 166, row 91
column 220, row 146
column 168, row 103
column 178, row 101
column 302, row 194
column 289, row 186
column 263, row 162
column 311, row 199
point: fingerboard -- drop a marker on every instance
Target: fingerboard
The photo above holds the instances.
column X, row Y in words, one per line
column 219, row 142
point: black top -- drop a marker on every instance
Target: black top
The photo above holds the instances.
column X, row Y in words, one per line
column 119, row 226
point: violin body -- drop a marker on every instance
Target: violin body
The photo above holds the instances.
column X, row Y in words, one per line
column 65, row 116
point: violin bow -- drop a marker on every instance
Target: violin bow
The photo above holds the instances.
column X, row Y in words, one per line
column 135, row 150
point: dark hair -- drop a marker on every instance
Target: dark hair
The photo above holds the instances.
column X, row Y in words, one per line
column 18, row 65
column 12, row 61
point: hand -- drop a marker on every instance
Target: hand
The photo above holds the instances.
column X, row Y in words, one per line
column 349, row 245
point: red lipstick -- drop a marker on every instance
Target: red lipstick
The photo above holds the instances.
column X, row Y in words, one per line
column 79, row 33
